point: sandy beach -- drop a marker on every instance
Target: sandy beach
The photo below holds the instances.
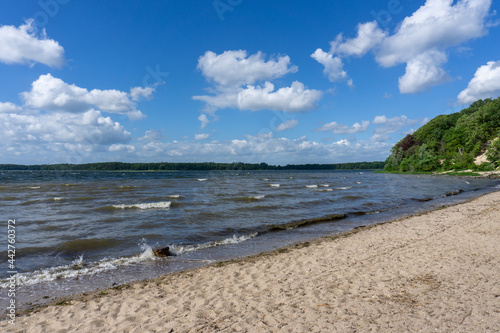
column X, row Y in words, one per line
column 435, row 272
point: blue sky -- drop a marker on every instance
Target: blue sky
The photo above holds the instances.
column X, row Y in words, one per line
column 235, row 80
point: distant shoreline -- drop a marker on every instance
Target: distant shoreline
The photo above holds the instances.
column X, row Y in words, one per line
column 194, row 166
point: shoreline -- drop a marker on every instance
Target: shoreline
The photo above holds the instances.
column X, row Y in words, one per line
column 253, row 283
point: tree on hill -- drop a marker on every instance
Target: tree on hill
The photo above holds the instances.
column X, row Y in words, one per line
column 451, row 141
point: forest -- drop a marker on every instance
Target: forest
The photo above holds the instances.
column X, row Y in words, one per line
column 120, row 166
column 452, row 141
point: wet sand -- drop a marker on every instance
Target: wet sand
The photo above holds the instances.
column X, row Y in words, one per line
column 435, row 272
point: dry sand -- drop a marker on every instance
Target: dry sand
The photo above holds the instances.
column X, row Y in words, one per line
column 436, row 272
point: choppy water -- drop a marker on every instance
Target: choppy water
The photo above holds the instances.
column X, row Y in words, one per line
column 79, row 230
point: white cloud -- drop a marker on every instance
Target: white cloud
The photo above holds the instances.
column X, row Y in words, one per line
column 136, row 93
column 202, row 136
column 437, row 25
column 484, row 84
column 337, row 128
column 204, row 120
column 265, row 147
column 295, row 98
column 236, row 68
column 369, row 35
column 391, row 125
column 24, row 45
column 287, row 125
column 121, row 148
column 234, row 74
column 53, row 94
column 334, row 67
column 152, row 136
column 60, row 137
column 422, row 72
column 9, row 107
column 60, row 133
column 420, row 40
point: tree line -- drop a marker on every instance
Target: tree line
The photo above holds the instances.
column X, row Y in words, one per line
column 208, row 166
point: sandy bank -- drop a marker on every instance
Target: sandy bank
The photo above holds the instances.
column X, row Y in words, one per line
column 439, row 271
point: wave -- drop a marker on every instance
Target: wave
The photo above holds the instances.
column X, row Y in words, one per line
column 326, row 190
column 303, row 223
column 151, row 205
column 343, row 188
column 202, row 179
column 274, row 185
column 30, row 202
column 179, row 249
column 127, row 187
column 34, row 187
column 174, row 196
column 80, row 268
column 249, row 198
column 312, row 186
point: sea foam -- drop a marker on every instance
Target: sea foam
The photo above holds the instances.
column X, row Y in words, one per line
column 151, row 205
column 80, row 268
column 179, row 249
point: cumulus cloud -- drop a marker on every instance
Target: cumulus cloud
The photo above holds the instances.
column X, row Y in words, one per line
column 337, row 128
column 420, row 41
column 24, row 45
column 204, row 120
column 266, row 147
column 295, row 98
column 369, row 36
column 423, row 71
column 236, row 68
column 234, row 74
column 53, row 94
column 61, row 130
column 121, row 148
column 152, row 136
column 202, row 136
column 388, row 126
column 287, row 125
column 334, row 67
column 9, row 107
column 62, row 123
column 136, row 93
column 484, row 84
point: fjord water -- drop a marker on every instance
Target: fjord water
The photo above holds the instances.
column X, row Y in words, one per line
column 76, row 231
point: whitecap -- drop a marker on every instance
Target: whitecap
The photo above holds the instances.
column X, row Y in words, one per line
column 274, row 185
column 202, row 179
column 178, row 249
column 80, row 268
column 150, row 205
column 312, row 186
column 343, row 188
column 34, row 187
column 259, row 197
column 174, row 196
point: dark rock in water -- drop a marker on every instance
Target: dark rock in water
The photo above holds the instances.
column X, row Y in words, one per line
column 162, row 252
